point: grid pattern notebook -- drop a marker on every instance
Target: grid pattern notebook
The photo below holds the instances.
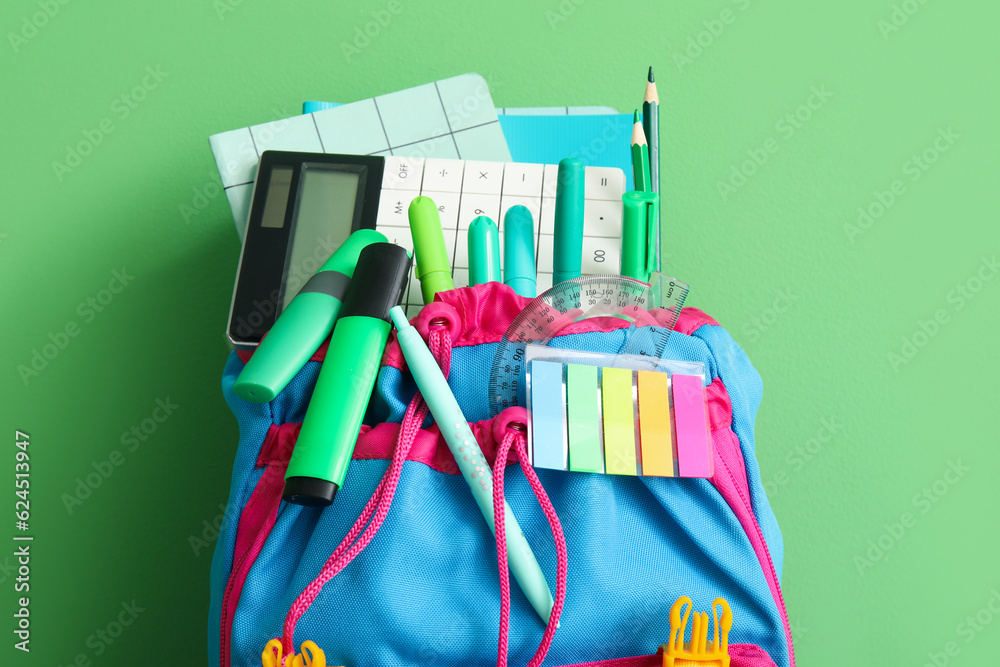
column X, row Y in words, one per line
column 453, row 118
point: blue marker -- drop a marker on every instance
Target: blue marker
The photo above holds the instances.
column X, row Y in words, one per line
column 519, row 251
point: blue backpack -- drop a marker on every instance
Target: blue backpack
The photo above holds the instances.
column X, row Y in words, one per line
column 425, row 590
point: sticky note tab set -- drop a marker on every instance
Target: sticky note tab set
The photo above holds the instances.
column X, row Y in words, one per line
column 619, row 421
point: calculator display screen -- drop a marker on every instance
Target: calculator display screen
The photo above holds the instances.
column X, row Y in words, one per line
column 324, row 213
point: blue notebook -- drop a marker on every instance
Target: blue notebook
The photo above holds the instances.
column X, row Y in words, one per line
column 546, row 135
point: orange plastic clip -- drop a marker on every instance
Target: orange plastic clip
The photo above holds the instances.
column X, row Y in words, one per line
column 679, row 653
column 310, row 655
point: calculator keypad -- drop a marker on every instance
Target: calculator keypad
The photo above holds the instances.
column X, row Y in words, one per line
column 465, row 189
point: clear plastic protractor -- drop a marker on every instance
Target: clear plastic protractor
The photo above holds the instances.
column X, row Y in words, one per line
column 572, row 301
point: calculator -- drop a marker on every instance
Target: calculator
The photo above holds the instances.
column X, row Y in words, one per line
column 305, row 204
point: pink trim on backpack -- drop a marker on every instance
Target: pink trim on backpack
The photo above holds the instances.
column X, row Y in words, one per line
column 730, row 480
column 255, row 524
column 740, row 655
column 492, row 306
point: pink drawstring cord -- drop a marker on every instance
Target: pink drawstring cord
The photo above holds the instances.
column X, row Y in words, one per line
column 517, row 439
column 378, row 505
column 377, row 508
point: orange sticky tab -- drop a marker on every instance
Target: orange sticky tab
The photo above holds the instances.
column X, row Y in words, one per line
column 656, row 442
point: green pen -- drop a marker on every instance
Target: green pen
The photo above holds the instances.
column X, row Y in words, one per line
column 333, row 419
column 303, row 325
column 567, row 243
column 484, row 251
column 640, row 222
column 433, row 266
column 475, row 470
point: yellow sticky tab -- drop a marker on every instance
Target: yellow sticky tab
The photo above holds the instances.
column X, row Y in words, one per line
column 619, row 421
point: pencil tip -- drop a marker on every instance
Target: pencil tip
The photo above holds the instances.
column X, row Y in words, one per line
column 650, row 77
column 636, row 118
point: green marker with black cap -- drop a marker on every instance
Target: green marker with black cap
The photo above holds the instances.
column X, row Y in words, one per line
column 304, row 324
column 346, row 379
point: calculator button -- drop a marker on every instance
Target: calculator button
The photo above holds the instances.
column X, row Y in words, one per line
column 484, row 178
column 550, row 180
column 543, row 281
column 461, row 277
column 462, row 252
column 398, row 235
column 415, row 296
column 447, row 204
column 543, row 259
column 607, row 183
column 442, row 175
column 402, row 173
column 601, row 255
column 523, row 180
column 475, row 205
column 603, row 218
column 548, row 215
column 392, row 207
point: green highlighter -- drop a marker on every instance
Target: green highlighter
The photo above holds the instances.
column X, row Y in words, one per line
column 484, row 251
column 346, row 379
column 567, row 242
column 303, row 325
column 433, row 266
column 640, row 223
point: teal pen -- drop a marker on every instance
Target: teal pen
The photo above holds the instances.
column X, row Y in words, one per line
column 484, row 251
column 455, row 431
column 567, row 246
column 519, row 251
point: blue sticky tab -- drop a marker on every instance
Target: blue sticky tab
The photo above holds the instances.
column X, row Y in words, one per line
column 548, row 416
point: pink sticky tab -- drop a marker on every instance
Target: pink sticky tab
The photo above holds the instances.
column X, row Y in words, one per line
column 691, row 418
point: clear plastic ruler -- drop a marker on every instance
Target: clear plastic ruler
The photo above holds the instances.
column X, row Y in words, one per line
column 580, row 299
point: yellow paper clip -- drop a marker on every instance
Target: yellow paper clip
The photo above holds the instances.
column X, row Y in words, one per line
column 679, row 653
column 310, row 655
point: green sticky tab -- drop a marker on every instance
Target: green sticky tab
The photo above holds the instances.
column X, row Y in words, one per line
column 586, row 454
column 619, row 421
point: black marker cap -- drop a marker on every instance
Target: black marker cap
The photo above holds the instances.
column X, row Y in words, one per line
column 309, row 491
column 379, row 281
